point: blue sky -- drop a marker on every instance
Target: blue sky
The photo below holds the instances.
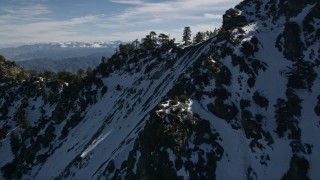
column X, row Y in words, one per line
column 33, row 21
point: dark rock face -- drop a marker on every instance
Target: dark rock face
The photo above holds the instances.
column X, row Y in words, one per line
column 293, row 7
column 232, row 19
column 317, row 108
column 299, row 168
column 293, row 46
column 169, row 143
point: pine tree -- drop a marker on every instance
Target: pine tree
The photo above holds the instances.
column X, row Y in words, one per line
column 124, row 49
column 186, row 36
column 163, row 39
column 165, row 42
column 199, row 38
column 215, row 32
column 15, row 143
column 150, row 41
column 81, row 73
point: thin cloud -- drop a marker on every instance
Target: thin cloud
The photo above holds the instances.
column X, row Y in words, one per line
column 201, row 15
column 212, row 16
column 32, row 22
column 31, row 8
column 171, row 11
column 135, row 2
column 49, row 30
column 27, row 12
column 173, row 33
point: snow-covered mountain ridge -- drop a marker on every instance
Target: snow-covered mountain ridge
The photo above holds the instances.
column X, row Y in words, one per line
column 89, row 44
column 242, row 105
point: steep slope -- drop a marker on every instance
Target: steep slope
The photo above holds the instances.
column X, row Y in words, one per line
column 248, row 109
column 243, row 105
column 92, row 121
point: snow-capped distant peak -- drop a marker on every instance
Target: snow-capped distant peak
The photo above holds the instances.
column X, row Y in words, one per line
column 87, row 44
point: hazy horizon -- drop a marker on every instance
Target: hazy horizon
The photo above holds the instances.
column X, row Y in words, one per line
column 44, row 21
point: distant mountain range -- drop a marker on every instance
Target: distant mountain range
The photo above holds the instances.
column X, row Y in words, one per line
column 58, row 51
column 68, row 64
column 69, row 56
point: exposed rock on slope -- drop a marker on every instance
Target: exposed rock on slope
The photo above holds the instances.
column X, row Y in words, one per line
column 9, row 71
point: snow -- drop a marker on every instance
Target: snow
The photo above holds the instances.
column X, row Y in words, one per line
column 300, row 17
column 111, row 125
column 310, row 128
column 183, row 173
column 230, row 167
column 138, row 155
column 95, row 143
column 237, row 155
column 85, row 44
column 33, row 112
column 6, row 154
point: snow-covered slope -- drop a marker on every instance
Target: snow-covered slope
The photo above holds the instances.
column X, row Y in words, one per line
column 93, row 124
column 242, row 105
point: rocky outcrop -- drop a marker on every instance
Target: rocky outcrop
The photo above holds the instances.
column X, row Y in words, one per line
column 9, row 71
